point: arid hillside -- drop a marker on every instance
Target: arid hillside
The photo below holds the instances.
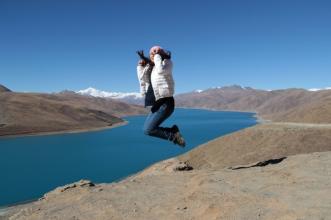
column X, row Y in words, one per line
column 4, row 89
column 32, row 113
column 259, row 143
column 288, row 105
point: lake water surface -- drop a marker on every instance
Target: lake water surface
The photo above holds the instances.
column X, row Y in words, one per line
column 31, row 166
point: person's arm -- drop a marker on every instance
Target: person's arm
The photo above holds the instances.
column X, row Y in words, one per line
column 143, row 77
column 163, row 65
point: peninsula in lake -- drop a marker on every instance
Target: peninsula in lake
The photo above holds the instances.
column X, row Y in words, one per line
column 40, row 113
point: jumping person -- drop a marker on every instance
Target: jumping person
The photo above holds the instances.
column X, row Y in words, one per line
column 157, row 87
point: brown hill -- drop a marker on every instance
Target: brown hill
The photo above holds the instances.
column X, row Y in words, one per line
column 4, row 89
column 292, row 105
column 259, row 143
column 31, row 113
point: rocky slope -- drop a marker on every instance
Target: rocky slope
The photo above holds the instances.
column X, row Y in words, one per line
column 288, row 105
column 34, row 113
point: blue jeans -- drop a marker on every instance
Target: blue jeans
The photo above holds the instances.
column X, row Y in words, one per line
column 153, row 121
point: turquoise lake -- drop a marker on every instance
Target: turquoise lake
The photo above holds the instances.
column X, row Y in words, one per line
column 31, row 166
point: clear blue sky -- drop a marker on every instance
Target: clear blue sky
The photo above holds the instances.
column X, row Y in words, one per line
column 51, row 45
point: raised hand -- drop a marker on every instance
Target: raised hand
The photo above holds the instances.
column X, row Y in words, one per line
column 167, row 55
column 142, row 56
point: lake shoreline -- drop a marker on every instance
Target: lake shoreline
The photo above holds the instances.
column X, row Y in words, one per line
column 258, row 117
column 72, row 131
column 181, row 114
column 163, row 173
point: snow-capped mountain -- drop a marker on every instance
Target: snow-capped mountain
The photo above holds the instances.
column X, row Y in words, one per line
column 136, row 98
column 317, row 89
column 128, row 97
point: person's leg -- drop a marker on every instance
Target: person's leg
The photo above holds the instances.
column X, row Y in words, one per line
column 151, row 126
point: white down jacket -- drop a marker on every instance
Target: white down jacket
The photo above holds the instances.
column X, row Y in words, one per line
column 160, row 77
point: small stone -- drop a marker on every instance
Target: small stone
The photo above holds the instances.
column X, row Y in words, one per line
column 183, row 167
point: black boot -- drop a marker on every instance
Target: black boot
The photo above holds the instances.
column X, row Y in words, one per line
column 174, row 128
column 178, row 138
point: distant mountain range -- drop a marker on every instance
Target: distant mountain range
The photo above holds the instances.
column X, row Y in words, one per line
column 136, row 98
column 32, row 113
column 131, row 97
column 291, row 105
